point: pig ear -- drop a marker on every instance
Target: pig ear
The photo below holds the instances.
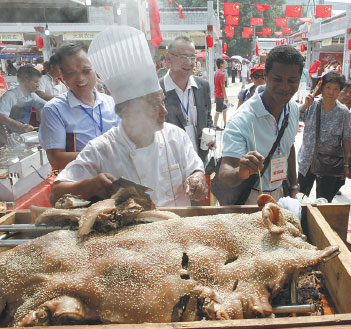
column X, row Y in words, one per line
column 273, row 219
column 263, row 199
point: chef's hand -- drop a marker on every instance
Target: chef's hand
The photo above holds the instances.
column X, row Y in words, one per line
column 250, row 163
column 195, row 186
column 101, row 185
column 212, row 145
column 27, row 128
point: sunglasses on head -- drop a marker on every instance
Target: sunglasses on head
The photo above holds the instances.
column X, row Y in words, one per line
column 258, row 76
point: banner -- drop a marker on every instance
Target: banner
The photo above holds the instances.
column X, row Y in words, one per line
column 256, row 21
column 231, row 8
column 232, row 20
column 248, row 30
column 286, row 30
column 293, row 11
column 323, row 11
column 154, row 14
column 266, row 31
column 281, row 22
column 262, row 8
column 229, row 31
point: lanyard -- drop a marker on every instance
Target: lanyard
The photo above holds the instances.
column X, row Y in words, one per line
column 186, row 110
column 92, row 118
column 276, row 122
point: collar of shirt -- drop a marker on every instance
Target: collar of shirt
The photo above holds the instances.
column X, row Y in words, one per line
column 171, row 85
column 73, row 101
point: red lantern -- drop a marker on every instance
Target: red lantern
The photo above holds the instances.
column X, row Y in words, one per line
column 224, row 47
column 209, row 41
column 39, row 42
column 302, row 47
column 349, row 44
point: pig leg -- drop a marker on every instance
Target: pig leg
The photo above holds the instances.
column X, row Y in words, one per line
column 62, row 309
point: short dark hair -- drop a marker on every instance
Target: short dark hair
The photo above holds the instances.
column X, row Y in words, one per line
column 284, row 54
column 53, row 60
column 219, row 62
column 162, row 58
column 333, row 76
column 182, row 38
column 69, row 49
column 27, row 72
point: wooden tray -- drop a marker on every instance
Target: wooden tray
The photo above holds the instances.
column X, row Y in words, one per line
column 322, row 223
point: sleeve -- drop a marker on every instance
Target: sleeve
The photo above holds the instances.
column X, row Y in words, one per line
column 87, row 165
column 52, row 130
column 241, row 94
column 208, row 102
column 38, row 103
column 234, row 142
column 7, row 101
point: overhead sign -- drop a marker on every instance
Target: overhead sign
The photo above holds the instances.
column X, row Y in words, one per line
column 81, row 2
column 173, row 35
column 74, row 36
column 12, row 36
column 327, row 42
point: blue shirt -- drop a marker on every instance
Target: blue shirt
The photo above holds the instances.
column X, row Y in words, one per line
column 238, row 138
column 19, row 107
column 67, row 114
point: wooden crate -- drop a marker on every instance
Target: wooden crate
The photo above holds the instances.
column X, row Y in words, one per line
column 321, row 223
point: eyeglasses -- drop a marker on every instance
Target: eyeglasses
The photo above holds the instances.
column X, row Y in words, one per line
column 258, row 76
column 185, row 58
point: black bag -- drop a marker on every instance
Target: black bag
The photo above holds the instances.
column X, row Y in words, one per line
column 327, row 160
column 210, row 166
column 238, row 195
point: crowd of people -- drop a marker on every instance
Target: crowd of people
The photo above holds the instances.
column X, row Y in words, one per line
column 97, row 124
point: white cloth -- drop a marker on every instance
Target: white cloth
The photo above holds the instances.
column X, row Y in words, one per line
column 152, row 166
column 244, row 70
column 46, row 85
column 183, row 96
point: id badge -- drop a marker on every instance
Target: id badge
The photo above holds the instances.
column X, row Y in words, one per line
column 278, row 169
column 190, row 130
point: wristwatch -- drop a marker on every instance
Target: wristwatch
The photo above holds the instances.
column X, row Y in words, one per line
column 295, row 187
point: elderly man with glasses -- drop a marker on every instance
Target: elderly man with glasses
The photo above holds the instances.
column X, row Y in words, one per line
column 187, row 98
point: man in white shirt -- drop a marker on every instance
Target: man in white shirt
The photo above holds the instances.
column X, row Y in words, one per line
column 143, row 148
column 244, row 74
column 16, row 104
column 187, row 98
column 50, row 84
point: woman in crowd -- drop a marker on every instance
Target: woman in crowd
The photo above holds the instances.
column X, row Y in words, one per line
column 335, row 130
column 257, row 77
column 345, row 95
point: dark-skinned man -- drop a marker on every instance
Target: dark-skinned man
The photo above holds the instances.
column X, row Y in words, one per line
column 265, row 112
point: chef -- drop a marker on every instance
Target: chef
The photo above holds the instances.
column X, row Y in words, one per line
column 143, row 148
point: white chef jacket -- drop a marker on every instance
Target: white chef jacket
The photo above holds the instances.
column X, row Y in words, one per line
column 46, row 85
column 171, row 155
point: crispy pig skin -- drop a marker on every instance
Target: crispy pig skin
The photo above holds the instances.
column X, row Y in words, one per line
column 232, row 263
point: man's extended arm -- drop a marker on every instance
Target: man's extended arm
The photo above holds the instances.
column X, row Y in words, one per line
column 44, row 95
column 98, row 186
column 233, row 171
column 59, row 158
column 7, row 121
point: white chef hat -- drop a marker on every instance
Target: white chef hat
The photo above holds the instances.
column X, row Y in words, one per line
column 122, row 58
